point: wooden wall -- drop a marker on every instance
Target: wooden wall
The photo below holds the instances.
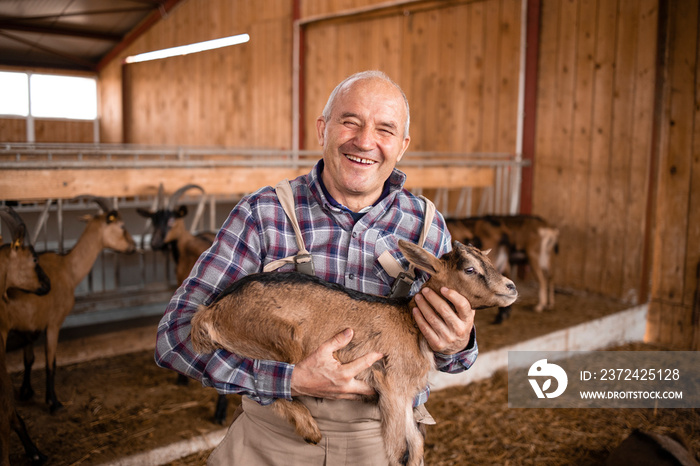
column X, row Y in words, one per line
column 616, row 159
column 456, row 61
column 238, row 96
column 595, row 109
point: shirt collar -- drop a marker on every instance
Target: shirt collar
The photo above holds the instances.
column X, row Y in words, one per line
column 392, row 184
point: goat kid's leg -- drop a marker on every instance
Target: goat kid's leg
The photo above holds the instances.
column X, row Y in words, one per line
column 299, row 416
column 403, row 440
column 35, row 456
column 26, row 392
column 541, row 280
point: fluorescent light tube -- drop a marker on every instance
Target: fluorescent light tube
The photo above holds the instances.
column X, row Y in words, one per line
column 187, row 49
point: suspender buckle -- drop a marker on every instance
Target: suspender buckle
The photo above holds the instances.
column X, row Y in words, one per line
column 303, row 263
column 401, row 286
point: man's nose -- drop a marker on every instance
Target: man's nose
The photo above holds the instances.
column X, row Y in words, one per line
column 364, row 138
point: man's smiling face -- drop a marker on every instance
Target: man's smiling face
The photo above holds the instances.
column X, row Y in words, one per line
column 362, row 141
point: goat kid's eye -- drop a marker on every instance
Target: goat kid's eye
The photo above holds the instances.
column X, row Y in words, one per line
column 470, row 270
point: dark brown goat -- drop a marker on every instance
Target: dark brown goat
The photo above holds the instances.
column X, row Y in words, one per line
column 284, row 317
column 169, row 232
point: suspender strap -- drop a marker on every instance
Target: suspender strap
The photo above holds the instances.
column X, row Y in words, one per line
column 302, row 261
column 404, row 279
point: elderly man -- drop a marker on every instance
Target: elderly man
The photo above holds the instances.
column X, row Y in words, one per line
column 350, row 208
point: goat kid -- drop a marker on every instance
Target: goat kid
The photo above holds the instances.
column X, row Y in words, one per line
column 169, row 231
column 32, row 313
column 514, row 240
column 19, row 268
column 284, row 317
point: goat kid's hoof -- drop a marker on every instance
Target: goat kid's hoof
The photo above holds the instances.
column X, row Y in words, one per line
column 313, row 439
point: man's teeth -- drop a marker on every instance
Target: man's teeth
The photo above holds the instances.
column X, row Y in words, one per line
column 360, row 160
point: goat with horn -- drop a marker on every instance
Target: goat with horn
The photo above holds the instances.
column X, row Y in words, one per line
column 31, row 313
column 170, row 233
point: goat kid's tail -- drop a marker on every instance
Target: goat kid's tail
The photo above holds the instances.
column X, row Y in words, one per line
column 202, row 332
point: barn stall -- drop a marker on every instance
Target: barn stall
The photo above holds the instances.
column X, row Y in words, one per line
column 592, row 126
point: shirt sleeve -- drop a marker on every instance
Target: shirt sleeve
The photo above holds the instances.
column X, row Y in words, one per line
column 234, row 254
column 458, row 362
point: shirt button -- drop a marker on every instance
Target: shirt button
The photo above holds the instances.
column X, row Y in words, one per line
column 351, row 276
column 354, row 234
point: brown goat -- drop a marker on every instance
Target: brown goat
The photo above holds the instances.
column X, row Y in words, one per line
column 284, row 317
column 189, row 247
column 31, row 313
column 18, row 269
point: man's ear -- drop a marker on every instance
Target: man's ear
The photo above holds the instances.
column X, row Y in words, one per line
column 321, row 130
column 406, row 142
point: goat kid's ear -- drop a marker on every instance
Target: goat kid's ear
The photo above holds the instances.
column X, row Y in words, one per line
column 419, row 257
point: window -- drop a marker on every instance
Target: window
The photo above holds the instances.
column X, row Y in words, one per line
column 14, row 93
column 51, row 96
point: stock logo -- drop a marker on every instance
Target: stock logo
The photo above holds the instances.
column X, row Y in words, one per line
column 542, row 369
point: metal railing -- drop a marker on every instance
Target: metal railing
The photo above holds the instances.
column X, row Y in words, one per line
column 121, row 287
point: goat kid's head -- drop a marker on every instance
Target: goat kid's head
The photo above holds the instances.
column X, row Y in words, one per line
column 22, row 268
column 466, row 270
column 164, row 218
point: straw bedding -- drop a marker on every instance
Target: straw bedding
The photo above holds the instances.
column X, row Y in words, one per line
column 124, row 405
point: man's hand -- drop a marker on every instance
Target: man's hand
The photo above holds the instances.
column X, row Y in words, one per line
column 322, row 376
column 446, row 331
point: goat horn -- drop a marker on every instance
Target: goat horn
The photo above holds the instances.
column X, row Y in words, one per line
column 161, row 198
column 177, row 194
column 18, row 229
column 100, row 201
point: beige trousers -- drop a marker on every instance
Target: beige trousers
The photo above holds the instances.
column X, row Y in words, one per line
column 351, row 436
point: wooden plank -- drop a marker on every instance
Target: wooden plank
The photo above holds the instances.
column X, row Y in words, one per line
column 543, row 171
column 595, row 260
column 508, row 79
column 561, row 176
column 676, row 154
column 635, row 215
column 475, row 79
column 489, row 102
column 20, row 184
column 692, row 265
column 581, row 142
column 13, row 129
column 619, row 162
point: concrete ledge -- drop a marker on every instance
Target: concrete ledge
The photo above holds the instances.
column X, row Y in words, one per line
column 172, row 452
column 616, row 329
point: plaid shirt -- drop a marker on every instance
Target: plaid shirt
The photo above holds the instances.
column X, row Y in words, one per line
column 344, row 251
